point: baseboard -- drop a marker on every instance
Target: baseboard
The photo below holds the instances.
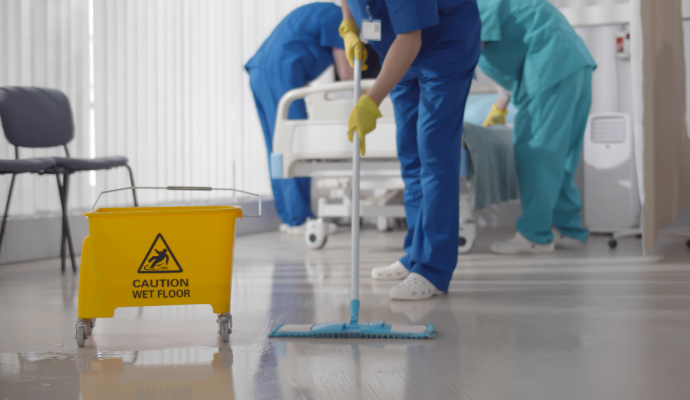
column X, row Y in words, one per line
column 38, row 237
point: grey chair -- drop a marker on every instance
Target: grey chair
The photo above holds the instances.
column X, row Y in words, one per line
column 39, row 118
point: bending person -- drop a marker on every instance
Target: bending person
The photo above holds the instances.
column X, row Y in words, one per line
column 530, row 49
column 429, row 49
column 301, row 47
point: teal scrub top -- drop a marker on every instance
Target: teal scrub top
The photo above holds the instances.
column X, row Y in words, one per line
column 529, row 46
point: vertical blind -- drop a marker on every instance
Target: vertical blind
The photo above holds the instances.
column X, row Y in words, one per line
column 46, row 43
column 172, row 93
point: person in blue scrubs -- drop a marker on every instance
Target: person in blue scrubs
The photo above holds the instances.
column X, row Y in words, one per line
column 531, row 50
column 430, row 49
column 300, row 48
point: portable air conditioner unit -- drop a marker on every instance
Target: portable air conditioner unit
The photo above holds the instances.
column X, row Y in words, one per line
column 612, row 200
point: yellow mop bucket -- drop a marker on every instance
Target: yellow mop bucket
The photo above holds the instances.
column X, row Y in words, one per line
column 157, row 256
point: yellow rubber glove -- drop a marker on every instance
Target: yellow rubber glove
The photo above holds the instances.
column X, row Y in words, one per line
column 496, row 116
column 354, row 48
column 363, row 118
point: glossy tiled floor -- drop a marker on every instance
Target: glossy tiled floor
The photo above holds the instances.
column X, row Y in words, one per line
column 585, row 324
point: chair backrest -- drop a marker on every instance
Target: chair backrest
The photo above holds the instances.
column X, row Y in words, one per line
column 36, row 117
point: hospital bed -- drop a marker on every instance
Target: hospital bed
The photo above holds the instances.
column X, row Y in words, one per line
column 318, row 147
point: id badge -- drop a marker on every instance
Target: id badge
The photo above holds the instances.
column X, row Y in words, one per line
column 371, row 30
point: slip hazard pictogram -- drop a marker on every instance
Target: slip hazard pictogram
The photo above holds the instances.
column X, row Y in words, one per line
column 160, row 258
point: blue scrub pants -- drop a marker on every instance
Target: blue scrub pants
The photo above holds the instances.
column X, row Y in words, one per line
column 291, row 196
column 548, row 136
column 429, row 115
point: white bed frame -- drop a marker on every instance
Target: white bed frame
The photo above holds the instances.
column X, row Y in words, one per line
column 318, row 147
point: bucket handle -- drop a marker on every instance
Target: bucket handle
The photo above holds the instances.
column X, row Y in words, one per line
column 192, row 188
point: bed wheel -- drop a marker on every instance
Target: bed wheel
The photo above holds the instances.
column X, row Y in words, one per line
column 316, row 234
column 467, row 237
column 613, row 243
column 384, row 224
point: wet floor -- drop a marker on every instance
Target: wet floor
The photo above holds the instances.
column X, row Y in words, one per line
column 584, row 324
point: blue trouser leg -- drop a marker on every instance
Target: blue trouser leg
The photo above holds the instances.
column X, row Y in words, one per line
column 548, row 139
column 291, row 196
column 405, row 97
column 432, row 175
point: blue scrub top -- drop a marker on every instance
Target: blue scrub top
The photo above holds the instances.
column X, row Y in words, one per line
column 302, row 44
column 440, row 22
column 530, row 46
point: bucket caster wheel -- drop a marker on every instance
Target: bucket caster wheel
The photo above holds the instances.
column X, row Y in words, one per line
column 81, row 334
column 225, row 326
column 90, row 324
column 613, row 243
column 316, row 234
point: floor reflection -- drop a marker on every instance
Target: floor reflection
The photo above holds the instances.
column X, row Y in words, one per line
column 174, row 374
column 184, row 374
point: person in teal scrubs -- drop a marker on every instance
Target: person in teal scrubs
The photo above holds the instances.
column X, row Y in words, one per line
column 530, row 49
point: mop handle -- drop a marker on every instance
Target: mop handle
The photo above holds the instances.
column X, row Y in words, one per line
column 355, row 192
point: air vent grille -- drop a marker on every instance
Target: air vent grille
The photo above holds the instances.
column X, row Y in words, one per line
column 609, row 130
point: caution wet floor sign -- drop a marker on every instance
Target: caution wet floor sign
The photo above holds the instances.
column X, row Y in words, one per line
column 137, row 257
column 158, row 258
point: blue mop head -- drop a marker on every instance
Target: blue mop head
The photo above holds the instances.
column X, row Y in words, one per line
column 372, row 330
column 355, row 330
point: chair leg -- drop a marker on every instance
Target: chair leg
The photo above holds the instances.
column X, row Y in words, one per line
column 67, row 231
column 61, row 190
column 131, row 179
column 7, row 210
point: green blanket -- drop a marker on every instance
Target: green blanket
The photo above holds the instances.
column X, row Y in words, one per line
column 493, row 178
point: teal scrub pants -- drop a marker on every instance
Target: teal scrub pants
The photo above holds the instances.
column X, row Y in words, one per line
column 548, row 136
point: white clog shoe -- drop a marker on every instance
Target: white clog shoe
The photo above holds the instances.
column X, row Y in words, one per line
column 414, row 287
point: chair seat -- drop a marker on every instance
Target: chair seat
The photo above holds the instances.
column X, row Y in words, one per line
column 90, row 164
column 26, row 165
